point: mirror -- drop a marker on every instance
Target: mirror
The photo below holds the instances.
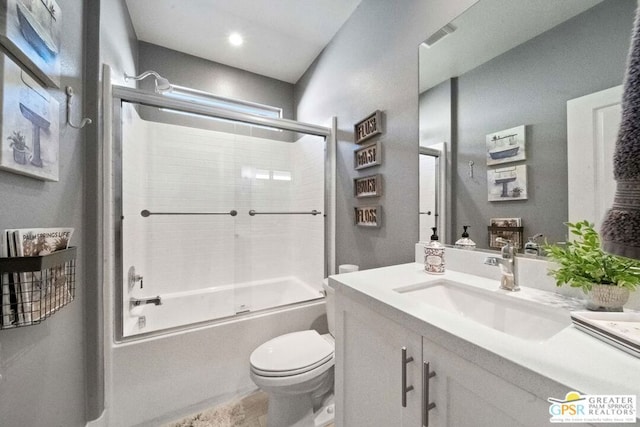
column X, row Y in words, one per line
column 494, row 87
column 432, row 172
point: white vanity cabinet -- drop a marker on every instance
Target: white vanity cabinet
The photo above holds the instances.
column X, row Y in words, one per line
column 369, row 380
column 369, row 369
column 466, row 395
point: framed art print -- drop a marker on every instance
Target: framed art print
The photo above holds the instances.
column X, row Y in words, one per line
column 30, row 30
column 506, row 146
column 29, row 131
column 508, row 183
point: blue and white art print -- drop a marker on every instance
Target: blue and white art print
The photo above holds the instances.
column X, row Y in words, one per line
column 506, row 146
column 29, row 129
column 30, row 30
column 507, row 183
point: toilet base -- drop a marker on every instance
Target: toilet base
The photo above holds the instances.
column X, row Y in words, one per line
column 296, row 411
column 290, row 411
column 325, row 415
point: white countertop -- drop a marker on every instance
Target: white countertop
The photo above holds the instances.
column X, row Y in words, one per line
column 571, row 358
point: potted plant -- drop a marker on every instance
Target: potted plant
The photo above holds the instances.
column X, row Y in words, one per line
column 516, row 191
column 20, row 149
column 581, row 263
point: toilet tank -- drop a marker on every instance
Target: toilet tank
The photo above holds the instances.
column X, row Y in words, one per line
column 331, row 306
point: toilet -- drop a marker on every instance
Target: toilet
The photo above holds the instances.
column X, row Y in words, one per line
column 296, row 371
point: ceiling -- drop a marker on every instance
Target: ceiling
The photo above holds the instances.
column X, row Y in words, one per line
column 488, row 29
column 281, row 37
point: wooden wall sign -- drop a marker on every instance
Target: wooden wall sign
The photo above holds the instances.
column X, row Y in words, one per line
column 368, row 186
column 368, row 216
column 368, row 127
column 367, row 156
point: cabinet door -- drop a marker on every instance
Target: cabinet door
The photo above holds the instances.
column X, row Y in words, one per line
column 369, row 370
column 466, row 395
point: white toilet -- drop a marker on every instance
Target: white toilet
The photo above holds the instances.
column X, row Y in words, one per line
column 296, row 371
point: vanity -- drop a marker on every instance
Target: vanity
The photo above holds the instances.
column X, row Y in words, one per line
column 414, row 349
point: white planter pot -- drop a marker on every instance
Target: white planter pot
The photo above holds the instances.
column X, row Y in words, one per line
column 607, row 298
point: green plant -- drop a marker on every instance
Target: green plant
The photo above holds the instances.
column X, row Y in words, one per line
column 582, row 263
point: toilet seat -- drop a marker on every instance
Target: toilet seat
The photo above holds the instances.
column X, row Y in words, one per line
column 291, row 354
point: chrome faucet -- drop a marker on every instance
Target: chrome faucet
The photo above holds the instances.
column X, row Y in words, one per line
column 507, row 265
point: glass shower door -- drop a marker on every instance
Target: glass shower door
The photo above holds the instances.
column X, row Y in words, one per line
column 280, row 244
column 179, row 224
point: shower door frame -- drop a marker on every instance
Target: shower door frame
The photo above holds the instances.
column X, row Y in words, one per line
column 121, row 94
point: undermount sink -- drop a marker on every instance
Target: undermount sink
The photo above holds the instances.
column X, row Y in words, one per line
column 503, row 312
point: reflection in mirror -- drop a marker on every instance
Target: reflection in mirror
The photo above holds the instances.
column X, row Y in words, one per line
column 430, row 215
column 509, row 64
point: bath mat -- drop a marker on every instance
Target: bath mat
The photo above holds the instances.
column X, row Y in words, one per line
column 249, row 411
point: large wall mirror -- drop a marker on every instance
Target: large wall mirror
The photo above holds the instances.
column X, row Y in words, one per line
column 495, row 85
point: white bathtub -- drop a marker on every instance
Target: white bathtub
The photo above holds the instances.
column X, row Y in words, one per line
column 179, row 309
column 163, row 377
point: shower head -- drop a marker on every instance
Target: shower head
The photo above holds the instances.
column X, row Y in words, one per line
column 162, row 84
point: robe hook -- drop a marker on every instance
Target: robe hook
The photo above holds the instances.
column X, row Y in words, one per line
column 85, row 121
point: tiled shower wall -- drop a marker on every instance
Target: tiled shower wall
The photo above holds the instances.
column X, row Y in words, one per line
column 169, row 168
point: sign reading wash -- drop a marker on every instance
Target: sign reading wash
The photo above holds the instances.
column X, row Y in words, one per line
column 577, row 408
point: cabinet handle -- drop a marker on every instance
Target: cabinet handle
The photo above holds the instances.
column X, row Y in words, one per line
column 426, row 405
column 405, row 389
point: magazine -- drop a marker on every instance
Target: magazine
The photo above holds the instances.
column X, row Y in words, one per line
column 15, row 293
column 42, row 292
column 7, row 306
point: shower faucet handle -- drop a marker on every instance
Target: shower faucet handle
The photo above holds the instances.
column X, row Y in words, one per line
column 134, row 278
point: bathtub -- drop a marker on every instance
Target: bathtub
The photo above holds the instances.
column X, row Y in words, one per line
column 162, row 377
column 179, row 309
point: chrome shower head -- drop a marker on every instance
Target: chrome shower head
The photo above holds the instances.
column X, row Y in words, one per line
column 162, row 84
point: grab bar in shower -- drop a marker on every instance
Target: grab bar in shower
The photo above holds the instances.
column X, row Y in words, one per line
column 313, row 212
column 145, row 213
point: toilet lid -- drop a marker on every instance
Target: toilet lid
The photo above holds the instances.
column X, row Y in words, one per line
column 297, row 351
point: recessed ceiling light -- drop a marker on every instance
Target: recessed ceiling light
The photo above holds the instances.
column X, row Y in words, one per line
column 235, row 39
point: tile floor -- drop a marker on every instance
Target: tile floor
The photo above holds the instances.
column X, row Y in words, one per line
column 246, row 411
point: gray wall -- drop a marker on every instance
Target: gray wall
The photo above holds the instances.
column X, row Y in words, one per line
column 530, row 85
column 198, row 73
column 193, row 72
column 372, row 63
column 110, row 40
column 43, row 366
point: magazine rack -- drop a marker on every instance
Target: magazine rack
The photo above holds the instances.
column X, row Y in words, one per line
column 515, row 234
column 34, row 288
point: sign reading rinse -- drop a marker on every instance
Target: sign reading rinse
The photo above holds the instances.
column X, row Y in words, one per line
column 367, row 156
column 368, row 127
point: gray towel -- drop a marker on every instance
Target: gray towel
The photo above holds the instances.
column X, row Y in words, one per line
column 621, row 226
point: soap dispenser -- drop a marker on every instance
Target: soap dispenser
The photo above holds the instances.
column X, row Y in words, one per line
column 434, row 255
column 465, row 242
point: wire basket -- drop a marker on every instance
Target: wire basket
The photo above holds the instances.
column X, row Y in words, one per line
column 34, row 288
column 514, row 234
